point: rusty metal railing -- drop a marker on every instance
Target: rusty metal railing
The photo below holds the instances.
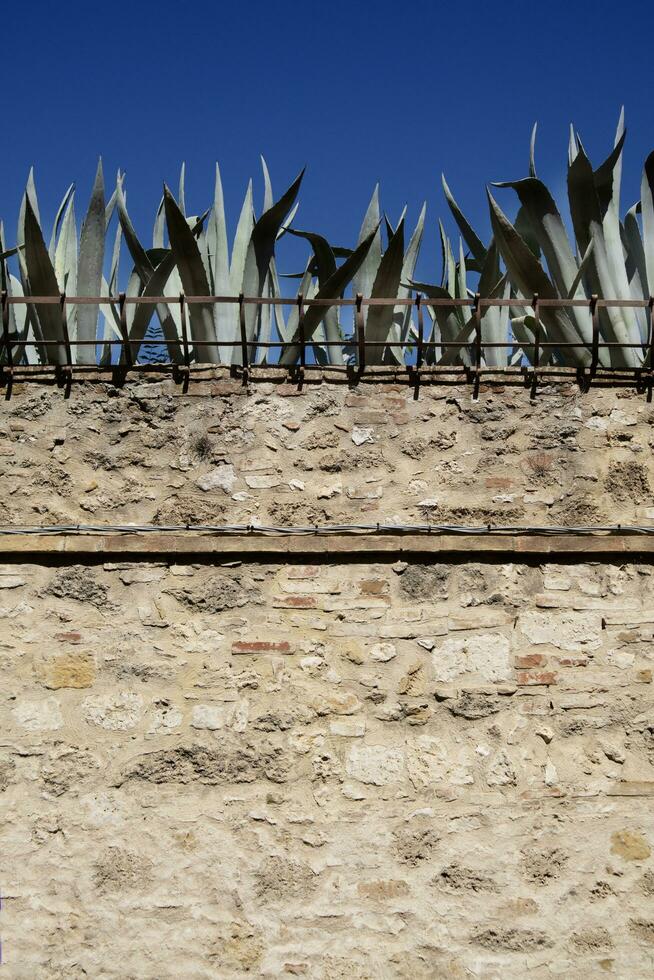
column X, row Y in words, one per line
column 359, row 342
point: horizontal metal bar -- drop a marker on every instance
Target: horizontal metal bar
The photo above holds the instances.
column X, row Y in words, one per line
column 487, row 302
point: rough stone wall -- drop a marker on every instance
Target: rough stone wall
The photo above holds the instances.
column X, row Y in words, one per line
column 147, row 453
column 329, row 770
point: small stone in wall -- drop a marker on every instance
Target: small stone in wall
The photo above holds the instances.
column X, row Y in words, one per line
column 361, row 435
column 630, row 845
column 75, row 670
column 39, row 716
column 262, row 481
column 487, row 655
column 376, row 764
column 383, row 652
column 77, row 583
column 115, row 712
column 348, row 727
column 222, row 478
column 567, row 631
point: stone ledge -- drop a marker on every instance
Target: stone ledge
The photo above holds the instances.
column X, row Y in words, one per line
column 469, row 546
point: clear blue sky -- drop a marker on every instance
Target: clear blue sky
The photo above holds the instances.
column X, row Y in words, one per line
column 357, row 91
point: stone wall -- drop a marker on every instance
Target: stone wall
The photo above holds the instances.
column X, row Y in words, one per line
column 222, row 453
column 343, row 768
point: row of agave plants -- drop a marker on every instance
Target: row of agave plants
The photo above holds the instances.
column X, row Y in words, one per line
column 610, row 256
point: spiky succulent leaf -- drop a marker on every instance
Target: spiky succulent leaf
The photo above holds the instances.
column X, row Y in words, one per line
column 194, row 278
column 470, row 237
column 43, row 282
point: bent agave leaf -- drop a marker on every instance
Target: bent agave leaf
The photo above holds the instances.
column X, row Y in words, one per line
column 89, row 268
column 43, row 282
column 332, row 289
column 528, row 275
column 194, row 279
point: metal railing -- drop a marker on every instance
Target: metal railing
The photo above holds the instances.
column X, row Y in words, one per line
column 359, row 342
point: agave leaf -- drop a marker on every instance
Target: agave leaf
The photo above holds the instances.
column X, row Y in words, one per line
column 386, row 284
column 607, row 176
column 528, row 275
column 449, row 321
column 30, row 194
column 139, row 255
column 547, row 228
column 402, row 314
column 241, row 242
column 546, row 225
column 181, row 199
column 65, row 263
column 581, row 271
column 365, row 275
column 323, row 254
column 156, row 286
column 647, row 210
column 332, row 289
column 194, row 279
column 523, row 226
column 265, row 229
column 159, row 226
column 583, row 199
column 226, row 315
column 268, row 191
column 286, row 224
column 57, row 222
column 111, row 204
column 573, row 147
column 471, row 239
column 43, row 282
column 532, row 152
column 635, row 254
column 89, row 267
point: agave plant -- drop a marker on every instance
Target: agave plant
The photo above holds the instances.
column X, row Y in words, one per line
column 608, row 258
column 63, row 266
column 374, row 273
column 191, row 257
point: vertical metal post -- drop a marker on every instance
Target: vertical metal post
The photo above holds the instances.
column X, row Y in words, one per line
column 477, row 315
column 650, row 335
column 421, row 332
column 302, row 338
column 64, row 330
column 536, row 309
column 5, row 329
column 361, row 333
column 126, row 349
column 594, row 313
column 244, row 340
column 185, row 348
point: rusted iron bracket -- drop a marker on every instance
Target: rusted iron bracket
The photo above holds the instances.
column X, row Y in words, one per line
column 6, row 341
column 126, row 351
column 361, row 332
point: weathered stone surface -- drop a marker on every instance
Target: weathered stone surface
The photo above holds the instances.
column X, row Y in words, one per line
column 232, row 762
column 297, row 767
column 375, row 764
column 486, row 655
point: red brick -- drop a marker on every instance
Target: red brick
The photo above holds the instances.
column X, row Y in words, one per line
column 572, row 661
column 373, row 586
column 530, row 660
column 68, row 637
column 498, row 482
column 527, row 677
column 296, row 601
column 304, row 571
column 261, row 646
